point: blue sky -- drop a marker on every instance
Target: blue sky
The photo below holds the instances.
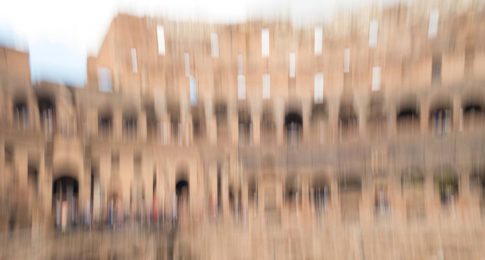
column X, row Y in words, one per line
column 59, row 34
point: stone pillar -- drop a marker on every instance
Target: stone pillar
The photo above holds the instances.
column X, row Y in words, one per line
column 21, row 167
column 335, row 197
column 279, row 118
column 166, row 129
column 424, row 116
column 431, row 204
column 392, row 121
column 256, row 127
column 457, row 114
column 34, row 116
column 117, row 124
column 397, row 202
column 464, row 193
column 362, row 118
column 210, row 121
column 366, row 205
column 333, row 118
column 306, row 114
column 305, row 198
column 142, row 125
column 92, row 123
column 225, row 190
column 105, row 169
column 233, row 119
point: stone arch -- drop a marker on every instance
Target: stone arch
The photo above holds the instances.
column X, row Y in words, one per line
column 320, row 192
column 473, row 111
column 347, row 119
column 105, row 120
column 441, row 115
column 292, row 190
column 20, row 110
column 244, row 126
column 182, row 188
column 293, row 126
column 407, row 115
column 447, row 184
column 65, row 195
column 130, row 121
column 47, row 109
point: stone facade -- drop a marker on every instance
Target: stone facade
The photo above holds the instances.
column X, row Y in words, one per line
column 361, row 138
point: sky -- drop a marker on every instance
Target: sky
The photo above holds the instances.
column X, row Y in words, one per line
column 59, row 34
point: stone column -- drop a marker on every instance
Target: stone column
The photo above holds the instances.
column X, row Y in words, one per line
column 306, row 114
column 333, row 118
column 465, row 198
column 34, row 116
column 166, row 128
column 210, row 121
column 335, row 197
column 366, row 205
column 392, row 121
column 430, row 202
column 305, row 198
column 142, row 125
column 256, row 127
column 233, row 119
column 362, row 118
column 21, row 167
column 424, row 116
column 117, row 124
column 279, row 118
column 457, row 114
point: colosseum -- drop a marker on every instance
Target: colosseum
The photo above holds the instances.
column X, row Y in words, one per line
column 359, row 138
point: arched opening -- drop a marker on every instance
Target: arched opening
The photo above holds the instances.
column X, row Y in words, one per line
column 253, row 193
column 105, row 123
column 473, row 114
column 440, row 118
column 320, row 194
column 47, row 113
column 350, row 188
column 235, row 200
column 198, row 123
column 20, row 114
column 377, row 119
column 318, row 121
column 175, row 123
column 129, row 124
column 381, row 200
column 268, row 127
column 222, row 126
column 94, row 194
column 447, row 184
column 33, row 177
column 407, row 118
column 182, row 192
column 151, row 121
column 412, row 189
column 292, row 193
column 477, row 185
column 114, row 208
column 244, row 125
column 65, row 194
column 348, row 124
column 293, row 127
